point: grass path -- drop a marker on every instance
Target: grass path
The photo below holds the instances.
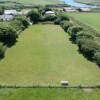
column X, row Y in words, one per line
column 44, row 55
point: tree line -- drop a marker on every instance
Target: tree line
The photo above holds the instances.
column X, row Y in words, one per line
column 9, row 32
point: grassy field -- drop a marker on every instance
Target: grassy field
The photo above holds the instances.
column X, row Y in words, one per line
column 36, row 2
column 44, row 55
column 48, row 94
column 93, row 2
column 91, row 19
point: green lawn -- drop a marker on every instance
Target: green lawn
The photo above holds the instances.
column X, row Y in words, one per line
column 94, row 2
column 48, row 94
column 91, row 19
column 44, row 55
column 36, row 2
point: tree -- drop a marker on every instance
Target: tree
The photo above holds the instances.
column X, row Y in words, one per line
column 23, row 20
column 73, row 32
column 7, row 32
column 2, row 50
column 1, row 10
column 34, row 16
column 97, row 57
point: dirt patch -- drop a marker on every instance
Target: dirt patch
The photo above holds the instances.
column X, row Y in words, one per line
column 88, row 90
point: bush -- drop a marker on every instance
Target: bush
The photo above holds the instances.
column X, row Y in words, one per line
column 34, row 16
column 61, row 17
column 57, row 21
column 73, row 32
column 66, row 24
column 7, row 32
column 85, row 34
column 49, row 17
column 2, row 50
column 88, row 46
column 97, row 57
column 23, row 20
column 17, row 25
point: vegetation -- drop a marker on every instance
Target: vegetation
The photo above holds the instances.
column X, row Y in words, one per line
column 9, row 32
column 46, row 47
column 85, row 18
column 48, row 94
column 61, row 17
column 30, row 2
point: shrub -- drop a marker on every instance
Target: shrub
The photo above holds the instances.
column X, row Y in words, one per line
column 23, row 20
column 2, row 50
column 84, row 34
column 97, row 57
column 66, row 24
column 7, row 32
column 17, row 25
column 61, row 17
column 34, row 16
column 73, row 32
column 57, row 21
column 88, row 46
column 49, row 17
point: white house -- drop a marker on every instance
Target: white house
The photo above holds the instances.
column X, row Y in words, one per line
column 9, row 12
column 6, row 17
column 50, row 12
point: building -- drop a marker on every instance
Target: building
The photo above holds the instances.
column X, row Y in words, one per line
column 6, row 17
column 84, row 9
column 9, row 12
column 50, row 12
column 68, row 9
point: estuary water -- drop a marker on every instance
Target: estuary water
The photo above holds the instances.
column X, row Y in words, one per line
column 76, row 4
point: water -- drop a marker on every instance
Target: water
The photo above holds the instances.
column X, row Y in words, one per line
column 73, row 3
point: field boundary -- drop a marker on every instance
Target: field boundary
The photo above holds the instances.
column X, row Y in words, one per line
column 87, row 27
column 49, row 86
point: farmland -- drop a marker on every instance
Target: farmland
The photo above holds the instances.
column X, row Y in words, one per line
column 91, row 19
column 34, row 2
column 92, row 2
column 44, row 55
column 48, row 94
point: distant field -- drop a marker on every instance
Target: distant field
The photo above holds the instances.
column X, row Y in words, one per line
column 35, row 2
column 44, row 55
column 94, row 2
column 91, row 19
column 48, row 94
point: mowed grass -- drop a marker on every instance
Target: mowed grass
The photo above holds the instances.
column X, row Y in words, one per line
column 48, row 94
column 44, row 55
column 94, row 2
column 91, row 19
column 37, row 2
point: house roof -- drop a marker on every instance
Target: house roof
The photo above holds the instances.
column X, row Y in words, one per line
column 6, row 17
column 49, row 12
column 9, row 11
column 85, row 9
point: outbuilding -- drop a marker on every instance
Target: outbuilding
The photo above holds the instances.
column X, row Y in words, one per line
column 50, row 12
column 68, row 9
column 6, row 17
column 9, row 12
column 84, row 9
column 64, row 83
